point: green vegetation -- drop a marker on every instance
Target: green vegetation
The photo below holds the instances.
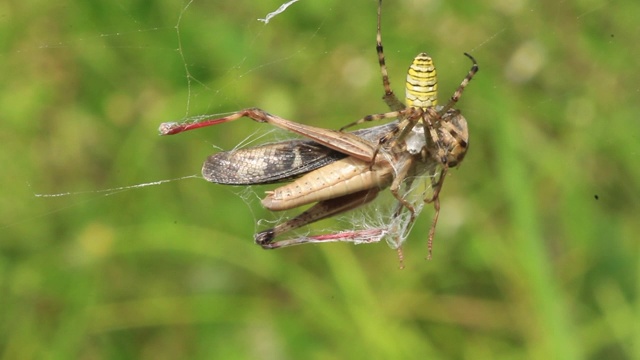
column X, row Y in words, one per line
column 536, row 254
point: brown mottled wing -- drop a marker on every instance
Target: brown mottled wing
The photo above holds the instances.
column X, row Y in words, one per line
column 267, row 163
column 277, row 162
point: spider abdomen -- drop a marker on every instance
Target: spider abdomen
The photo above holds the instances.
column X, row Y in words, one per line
column 422, row 83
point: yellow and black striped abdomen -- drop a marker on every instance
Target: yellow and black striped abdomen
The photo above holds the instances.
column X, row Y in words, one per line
column 422, row 83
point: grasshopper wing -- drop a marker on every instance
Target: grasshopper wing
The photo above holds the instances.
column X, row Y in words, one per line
column 278, row 162
column 269, row 163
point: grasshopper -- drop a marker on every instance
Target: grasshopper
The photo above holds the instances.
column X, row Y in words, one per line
column 340, row 171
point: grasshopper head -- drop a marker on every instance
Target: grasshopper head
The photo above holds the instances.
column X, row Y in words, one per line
column 454, row 136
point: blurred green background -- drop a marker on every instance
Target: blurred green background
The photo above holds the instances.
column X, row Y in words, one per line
column 536, row 254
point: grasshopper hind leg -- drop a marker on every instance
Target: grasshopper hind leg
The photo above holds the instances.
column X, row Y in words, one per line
column 319, row 211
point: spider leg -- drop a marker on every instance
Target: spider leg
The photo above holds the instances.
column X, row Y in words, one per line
column 389, row 97
column 409, row 116
column 402, row 172
column 378, row 117
column 458, row 93
column 431, row 118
